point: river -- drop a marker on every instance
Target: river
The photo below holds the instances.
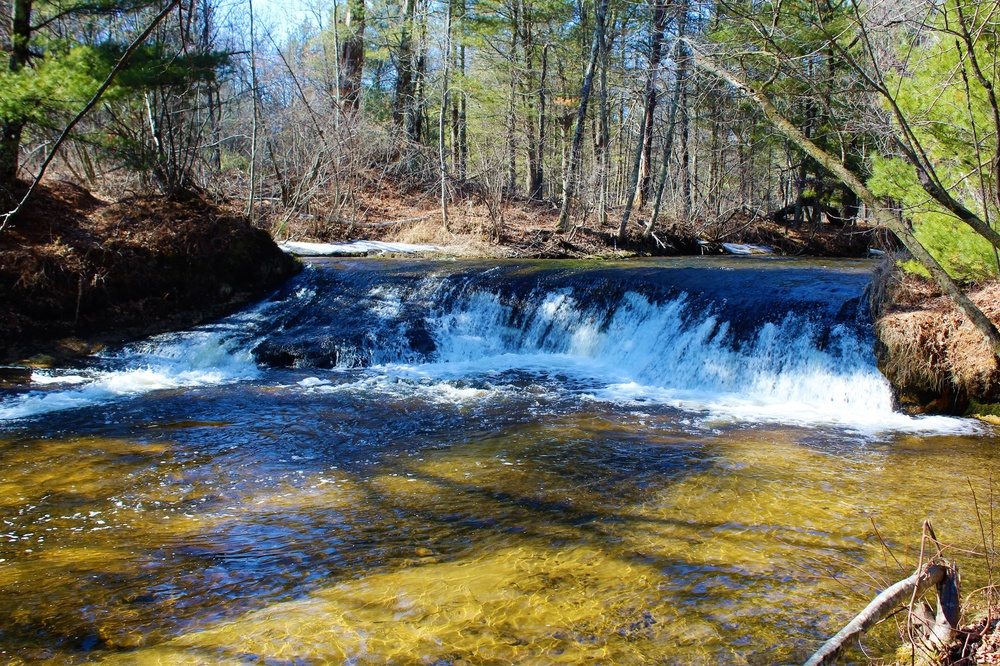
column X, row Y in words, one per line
column 685, row 461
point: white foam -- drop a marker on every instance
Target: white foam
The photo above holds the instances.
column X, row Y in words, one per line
column 42, row 378
column 198, row 358
column 414, row 387
column 789, row 371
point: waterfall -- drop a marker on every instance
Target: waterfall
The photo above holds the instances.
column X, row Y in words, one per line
column 748, row 340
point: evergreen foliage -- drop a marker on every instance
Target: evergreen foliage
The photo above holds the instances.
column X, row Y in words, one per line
column 950, row 113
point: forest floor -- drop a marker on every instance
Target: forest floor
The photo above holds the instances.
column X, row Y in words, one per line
column 526, row 229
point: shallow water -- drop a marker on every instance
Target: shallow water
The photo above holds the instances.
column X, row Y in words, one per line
column 502, row 494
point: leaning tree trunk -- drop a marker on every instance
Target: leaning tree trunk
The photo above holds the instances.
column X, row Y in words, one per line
column 668, row 146
column 941, row 575
column 655, row 55
column 884, row 217
column 638, row 190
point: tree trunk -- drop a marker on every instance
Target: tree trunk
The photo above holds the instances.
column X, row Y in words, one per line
column 942, row 576
column 638, row 191
column 684, row 173
column 528, row 87
column 11, row 129
column 352, row 57
column 443, row 162
column 668, row 145
column 602, row 144
column 651, row 99
column 405, row 112
column 632, row 195
column 581, row 118
column 512, row 110
column 536, row 188
column 456, row 9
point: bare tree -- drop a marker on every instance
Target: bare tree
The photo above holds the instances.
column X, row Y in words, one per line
column 581, row 117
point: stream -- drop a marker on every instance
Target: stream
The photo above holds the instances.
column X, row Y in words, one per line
column 456, row 462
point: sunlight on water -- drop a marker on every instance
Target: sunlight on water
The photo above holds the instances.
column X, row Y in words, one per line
column 543, row 490
column 583, row 538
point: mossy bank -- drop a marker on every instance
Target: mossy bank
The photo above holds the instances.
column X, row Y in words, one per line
column 76, row 272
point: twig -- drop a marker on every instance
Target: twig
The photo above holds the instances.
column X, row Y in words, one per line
column 119, row 66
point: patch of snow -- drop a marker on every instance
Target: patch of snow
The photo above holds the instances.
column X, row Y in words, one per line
column 352, row 248
column 741, row 248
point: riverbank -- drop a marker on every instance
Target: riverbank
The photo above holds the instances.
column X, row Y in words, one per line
column 77, row 272
column 518, row 228
column 931, row 353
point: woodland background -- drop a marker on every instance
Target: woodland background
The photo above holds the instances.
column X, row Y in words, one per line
column 612, row 113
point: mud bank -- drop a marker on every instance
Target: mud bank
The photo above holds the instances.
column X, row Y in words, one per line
column 931, row 353
column 76, row 272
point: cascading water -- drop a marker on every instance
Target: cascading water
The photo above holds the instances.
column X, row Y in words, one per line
column 444, row 462
column 752, row 340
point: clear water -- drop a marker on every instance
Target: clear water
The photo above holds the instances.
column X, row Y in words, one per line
column 458, row 463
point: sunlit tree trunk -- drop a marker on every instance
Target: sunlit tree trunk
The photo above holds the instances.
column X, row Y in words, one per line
column 660, row 15
column 581, row 117
column 352, row 57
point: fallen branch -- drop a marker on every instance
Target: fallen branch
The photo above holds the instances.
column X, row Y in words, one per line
column 658, row 241
column 942, row 575
column 119, row 66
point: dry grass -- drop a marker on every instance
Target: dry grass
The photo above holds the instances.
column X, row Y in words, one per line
column 73, row 265
column 930, row 346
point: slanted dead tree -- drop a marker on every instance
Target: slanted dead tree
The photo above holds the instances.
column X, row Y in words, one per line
column 937, row 574
column 581, row 116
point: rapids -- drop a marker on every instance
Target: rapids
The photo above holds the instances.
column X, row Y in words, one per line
column 445, row 462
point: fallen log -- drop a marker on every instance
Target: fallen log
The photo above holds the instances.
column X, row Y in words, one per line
column 940, row 574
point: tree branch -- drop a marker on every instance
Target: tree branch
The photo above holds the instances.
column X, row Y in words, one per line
column 119, row 66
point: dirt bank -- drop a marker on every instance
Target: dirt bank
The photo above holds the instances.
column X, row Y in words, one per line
column 74, row 268
column 931, row 353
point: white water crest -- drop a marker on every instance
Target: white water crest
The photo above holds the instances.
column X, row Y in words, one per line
column 793, row 370
column 196, row 358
